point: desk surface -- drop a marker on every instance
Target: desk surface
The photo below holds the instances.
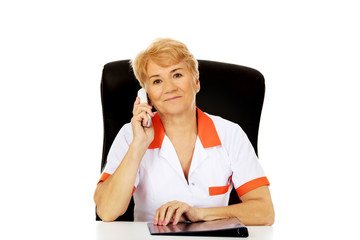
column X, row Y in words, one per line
column 139, row 230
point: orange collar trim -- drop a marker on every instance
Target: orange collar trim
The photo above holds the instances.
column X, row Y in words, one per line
column 206, row 131
column 159, row 132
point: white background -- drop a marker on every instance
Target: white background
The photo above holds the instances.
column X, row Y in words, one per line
column 51, row 58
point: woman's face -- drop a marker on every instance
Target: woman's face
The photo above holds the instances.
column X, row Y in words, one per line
column 172, row 89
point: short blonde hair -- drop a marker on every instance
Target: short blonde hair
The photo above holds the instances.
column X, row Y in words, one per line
column 164, row 52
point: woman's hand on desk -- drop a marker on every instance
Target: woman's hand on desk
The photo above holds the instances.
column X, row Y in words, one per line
column 175, row 212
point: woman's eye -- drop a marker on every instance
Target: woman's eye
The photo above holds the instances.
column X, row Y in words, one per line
column 177, row 75
column 157, row 81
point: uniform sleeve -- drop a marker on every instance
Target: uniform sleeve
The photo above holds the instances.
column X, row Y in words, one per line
column 117, row 152
column 247, row 171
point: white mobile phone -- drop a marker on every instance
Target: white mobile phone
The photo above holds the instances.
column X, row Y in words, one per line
column 143, row 99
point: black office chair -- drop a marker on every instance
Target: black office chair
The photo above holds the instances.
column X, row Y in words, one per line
column 231, row 91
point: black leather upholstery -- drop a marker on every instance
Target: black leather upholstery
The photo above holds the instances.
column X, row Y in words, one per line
column 231, row 91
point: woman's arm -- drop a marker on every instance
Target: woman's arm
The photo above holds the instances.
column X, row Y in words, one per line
column 256, row 209
column 112, row 196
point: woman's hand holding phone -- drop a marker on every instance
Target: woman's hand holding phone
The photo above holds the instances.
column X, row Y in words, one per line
column 141, row 117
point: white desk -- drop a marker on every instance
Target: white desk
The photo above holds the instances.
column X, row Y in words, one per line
column 140, row 231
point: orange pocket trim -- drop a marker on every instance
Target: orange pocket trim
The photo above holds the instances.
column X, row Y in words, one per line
column 251, row 185
column 213, row 191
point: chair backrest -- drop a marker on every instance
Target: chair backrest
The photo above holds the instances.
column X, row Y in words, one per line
column 231, row 91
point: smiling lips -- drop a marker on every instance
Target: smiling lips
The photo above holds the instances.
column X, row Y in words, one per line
column 172, row 98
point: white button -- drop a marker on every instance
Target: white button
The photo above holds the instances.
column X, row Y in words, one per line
column 193, row 183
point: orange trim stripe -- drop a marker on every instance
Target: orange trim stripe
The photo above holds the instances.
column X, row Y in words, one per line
column 103, row 177
column 213, row 191
column 133, row 190
column 207, row 131
column 251, row 185
column 159, row 132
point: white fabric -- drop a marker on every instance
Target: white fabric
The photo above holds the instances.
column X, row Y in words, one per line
column 160, row 177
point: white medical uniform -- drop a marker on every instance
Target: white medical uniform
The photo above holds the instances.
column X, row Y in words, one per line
column 223, row 158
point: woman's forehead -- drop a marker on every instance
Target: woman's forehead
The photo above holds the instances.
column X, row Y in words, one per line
column 156, row 69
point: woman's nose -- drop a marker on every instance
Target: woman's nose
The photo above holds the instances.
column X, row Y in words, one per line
column 169, row 86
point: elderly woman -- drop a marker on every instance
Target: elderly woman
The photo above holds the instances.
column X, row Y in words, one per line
column 185, row 164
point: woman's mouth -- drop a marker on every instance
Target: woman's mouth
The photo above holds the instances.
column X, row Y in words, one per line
column 172, row 98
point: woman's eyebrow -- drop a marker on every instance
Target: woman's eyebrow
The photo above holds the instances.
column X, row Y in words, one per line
column 157, row 75
column 174, row 70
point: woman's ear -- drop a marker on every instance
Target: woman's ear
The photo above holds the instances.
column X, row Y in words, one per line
column 197, row 84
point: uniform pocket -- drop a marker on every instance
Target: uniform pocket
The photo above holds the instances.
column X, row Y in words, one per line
column 218, row 190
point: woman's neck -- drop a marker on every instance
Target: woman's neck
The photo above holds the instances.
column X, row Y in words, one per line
column 180, row 125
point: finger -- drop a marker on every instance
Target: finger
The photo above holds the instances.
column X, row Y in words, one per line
column 140, row 108
column 170, row 212
column 149, row 111
column 179, row 213
column 177, row 216
column 162, row 212
column 136, row 122
column 145, row 118
column 137, row 101
column 145, row 109
column 156, row 217
column 141, row 116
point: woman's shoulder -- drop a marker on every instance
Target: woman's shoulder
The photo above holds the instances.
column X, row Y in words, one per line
column 125, row 132
column 221, row 123
column 226, row 128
